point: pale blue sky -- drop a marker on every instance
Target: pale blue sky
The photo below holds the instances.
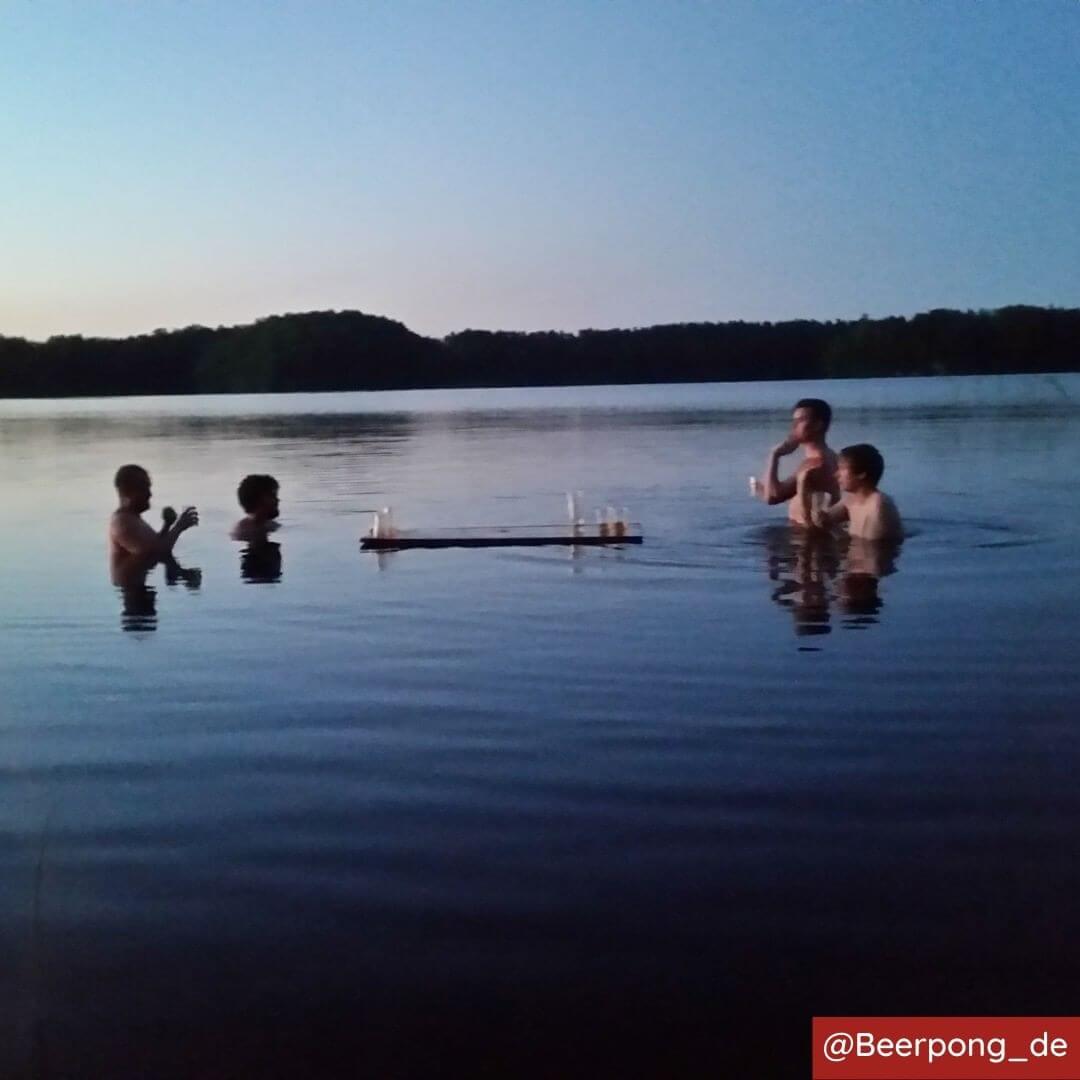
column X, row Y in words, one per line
column 536, row 165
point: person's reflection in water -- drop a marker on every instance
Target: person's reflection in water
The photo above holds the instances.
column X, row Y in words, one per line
column 260, row 563
column 803, row 563
column 188, row 576
column 813, row 569
column 865, row 563
column 138, row 610
column 138, row 607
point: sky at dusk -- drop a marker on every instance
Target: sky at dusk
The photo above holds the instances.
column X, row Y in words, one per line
column 534, row 165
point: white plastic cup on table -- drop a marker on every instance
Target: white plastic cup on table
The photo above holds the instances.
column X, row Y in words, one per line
column 574, row 508
column 382, row 524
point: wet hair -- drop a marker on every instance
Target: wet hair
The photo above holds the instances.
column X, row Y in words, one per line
column 253, row 489
column 129, row 477
column 820, row 410
column 865, row 460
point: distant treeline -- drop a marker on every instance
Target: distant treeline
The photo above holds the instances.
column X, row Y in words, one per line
column 348, row 350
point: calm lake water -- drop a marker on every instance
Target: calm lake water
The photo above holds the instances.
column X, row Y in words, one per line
column 634, row 811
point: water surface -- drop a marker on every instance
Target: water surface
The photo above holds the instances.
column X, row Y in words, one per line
column 312, row 810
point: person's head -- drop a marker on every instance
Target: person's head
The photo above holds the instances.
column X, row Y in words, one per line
column 859, row 467
column 258, row 495
column 810, row 419
column 132, row 484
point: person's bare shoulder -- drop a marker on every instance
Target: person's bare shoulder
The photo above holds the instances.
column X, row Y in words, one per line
column 128, row 532
column 879, row 519
column 243, row 530
column 120, row 526
column 891, row 515
column 248, row 531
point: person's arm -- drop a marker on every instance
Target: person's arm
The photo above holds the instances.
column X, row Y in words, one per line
column 832, row 484
column 807, row 481
column 804, row 493
column 836, row 514
column 830, row 517
column 169, row 534
column 777, row 490
column 134, row 536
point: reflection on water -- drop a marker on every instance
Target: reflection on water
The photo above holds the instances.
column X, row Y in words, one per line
column 865, row 563
column 390, row 818
column 138, row 607
column 815, row 571
column 260, row 562
column 138, row 600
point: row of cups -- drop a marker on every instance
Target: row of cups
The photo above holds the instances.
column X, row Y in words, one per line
column 610, row 522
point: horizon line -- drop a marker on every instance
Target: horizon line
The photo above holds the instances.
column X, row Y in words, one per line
column 161, row 330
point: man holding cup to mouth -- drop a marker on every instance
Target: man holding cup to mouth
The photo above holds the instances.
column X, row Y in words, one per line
column 810, row 421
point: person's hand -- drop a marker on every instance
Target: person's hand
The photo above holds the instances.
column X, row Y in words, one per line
column 188, row 519
column 803, row 478
column 168, row 516
column 788, row 446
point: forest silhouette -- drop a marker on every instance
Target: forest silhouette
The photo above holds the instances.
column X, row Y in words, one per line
column 349, row 350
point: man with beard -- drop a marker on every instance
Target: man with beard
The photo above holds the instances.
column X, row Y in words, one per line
column 258, row 495
column 131, row 538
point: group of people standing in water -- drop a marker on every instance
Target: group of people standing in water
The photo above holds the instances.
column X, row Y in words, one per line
column 829, row 489
column 131, row 537
column 814, row 566
column 826, row 491
column 135, row 547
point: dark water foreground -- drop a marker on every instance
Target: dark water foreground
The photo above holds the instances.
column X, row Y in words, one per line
column 318, row 812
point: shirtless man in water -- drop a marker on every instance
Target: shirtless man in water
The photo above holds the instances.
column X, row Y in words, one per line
column 258, row 495
column 133, row 545
column 869, row 512
column 810, row 421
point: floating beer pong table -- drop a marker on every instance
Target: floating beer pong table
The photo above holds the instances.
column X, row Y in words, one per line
column 504, row 536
